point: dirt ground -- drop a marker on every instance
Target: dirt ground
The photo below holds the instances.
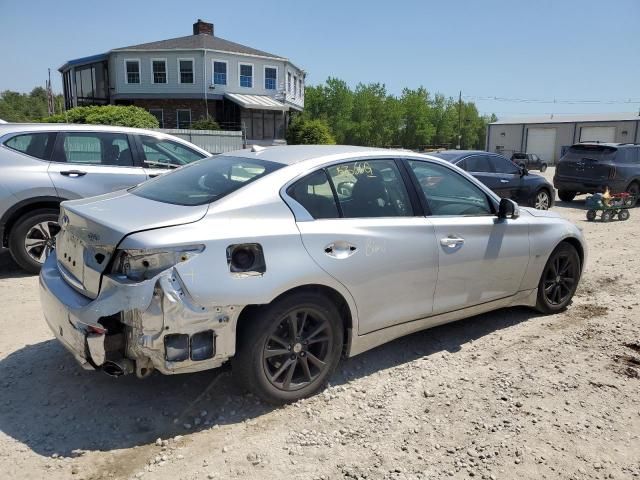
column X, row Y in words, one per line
column 510, row 394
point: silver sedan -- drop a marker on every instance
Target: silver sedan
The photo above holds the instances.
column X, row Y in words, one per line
column 285, row 258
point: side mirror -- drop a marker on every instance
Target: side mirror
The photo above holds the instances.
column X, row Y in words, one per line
column 508, row 209
column 523, row 171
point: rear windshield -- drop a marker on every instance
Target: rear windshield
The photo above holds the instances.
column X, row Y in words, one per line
column 590, row 152
column 449, row 157
column 205, row 181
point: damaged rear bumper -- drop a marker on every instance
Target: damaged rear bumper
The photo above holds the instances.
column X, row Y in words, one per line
column 154, row 323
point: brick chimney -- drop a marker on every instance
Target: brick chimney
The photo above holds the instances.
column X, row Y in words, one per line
column 202, row 28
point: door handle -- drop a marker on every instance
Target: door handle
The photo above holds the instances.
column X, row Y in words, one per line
column 340, row 249
column 154, row 175
column 451, row 241
column 73, row 173
column 502, row 180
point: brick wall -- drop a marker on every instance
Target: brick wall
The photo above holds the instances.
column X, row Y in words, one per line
column 171, row 106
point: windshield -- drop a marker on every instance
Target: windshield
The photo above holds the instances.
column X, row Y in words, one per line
column 205, row 181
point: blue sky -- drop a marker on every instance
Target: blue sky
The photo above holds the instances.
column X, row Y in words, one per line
column 512, row 49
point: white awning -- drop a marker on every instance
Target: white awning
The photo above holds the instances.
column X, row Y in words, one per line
column 257, row 102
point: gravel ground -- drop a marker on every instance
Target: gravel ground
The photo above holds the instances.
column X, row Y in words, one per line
column 510, row 394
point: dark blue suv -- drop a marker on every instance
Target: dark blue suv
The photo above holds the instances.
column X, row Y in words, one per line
column 593, row 167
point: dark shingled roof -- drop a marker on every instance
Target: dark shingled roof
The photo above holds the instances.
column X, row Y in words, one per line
column 201, row 41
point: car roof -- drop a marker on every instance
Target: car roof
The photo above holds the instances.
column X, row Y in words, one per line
column 9, row 128
column 294, row 154
column 607, row 144
column 462, row 153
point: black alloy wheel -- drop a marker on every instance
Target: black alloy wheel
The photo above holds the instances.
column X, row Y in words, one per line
column 559, row 279
column 297, row 350
column 287, row 350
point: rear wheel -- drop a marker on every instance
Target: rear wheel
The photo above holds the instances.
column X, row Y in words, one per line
column 623, row 215
column 634, row 190
column 542, row 200
column 559, row 279
column 591, row 215
column 33, row 237
column 289, row 349
column 606, row 216
column 543, row 167
column 566, row 196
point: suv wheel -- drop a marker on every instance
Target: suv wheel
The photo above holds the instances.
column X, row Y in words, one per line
column 33, row 237
column 634, row 189
column 542, row 200
column 289, row 348
column 566, row 196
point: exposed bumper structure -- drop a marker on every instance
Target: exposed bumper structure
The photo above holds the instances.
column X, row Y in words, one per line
column 154, row 323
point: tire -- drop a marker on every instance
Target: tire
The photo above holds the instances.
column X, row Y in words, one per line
column 566, row 196
column 30, row 227
column 591, row 215
column 623, row 215
column 553, row 295
column 634, row 189
column 259, row 367
column 543, row 167
column 606, row 216
column 542, row 200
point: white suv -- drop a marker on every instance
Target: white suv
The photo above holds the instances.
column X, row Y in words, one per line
column 42, row 165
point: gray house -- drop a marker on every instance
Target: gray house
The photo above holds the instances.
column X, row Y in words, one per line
column 547, row 136
column 184, row 79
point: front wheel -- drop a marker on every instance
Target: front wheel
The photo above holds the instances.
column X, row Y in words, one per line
column 623, row 215
column 33, row 237
column 542, row 200
column 591, row 215
column 566, row 196
column 559, row 279
column 288, row 350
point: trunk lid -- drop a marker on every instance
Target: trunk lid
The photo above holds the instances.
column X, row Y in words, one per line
column 588, row 162
column 91, row 228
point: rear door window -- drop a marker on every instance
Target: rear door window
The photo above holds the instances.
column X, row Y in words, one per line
column 371, row 188
column 94, row 148
column 38, row 145
column 314, row 193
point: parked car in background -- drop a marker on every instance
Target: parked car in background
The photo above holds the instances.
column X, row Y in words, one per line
column 504, row 177
column 529, row 161
column 594, row 167
column 260, row 257
column 42, row 165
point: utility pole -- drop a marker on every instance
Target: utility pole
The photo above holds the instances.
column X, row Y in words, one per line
column 50, row 103
column 459, row 145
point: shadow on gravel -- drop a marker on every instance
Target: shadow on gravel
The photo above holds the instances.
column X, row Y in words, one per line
column 9, row 268
column 51, row 405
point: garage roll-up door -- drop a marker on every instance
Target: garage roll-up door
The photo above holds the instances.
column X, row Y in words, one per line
column 598, row 134
column 542, row 142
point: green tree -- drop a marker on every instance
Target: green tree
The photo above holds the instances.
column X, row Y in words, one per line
column 129, row 116
column 26, row 107
column 205, row 124
column 305, row 131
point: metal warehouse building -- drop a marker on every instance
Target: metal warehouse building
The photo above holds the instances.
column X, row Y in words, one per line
column 549, row 136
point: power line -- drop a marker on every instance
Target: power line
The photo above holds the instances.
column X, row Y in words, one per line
column 552, row 101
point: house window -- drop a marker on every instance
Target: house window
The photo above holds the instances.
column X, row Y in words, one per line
column 219, row 72
column 289, row 82
column 159, row 114
column 185, row 67
column 158, row 71
column 132, row 67
column 295, row 86
column 300, row 88
column 270, row 78
column 246, row 75
column 183, row 118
